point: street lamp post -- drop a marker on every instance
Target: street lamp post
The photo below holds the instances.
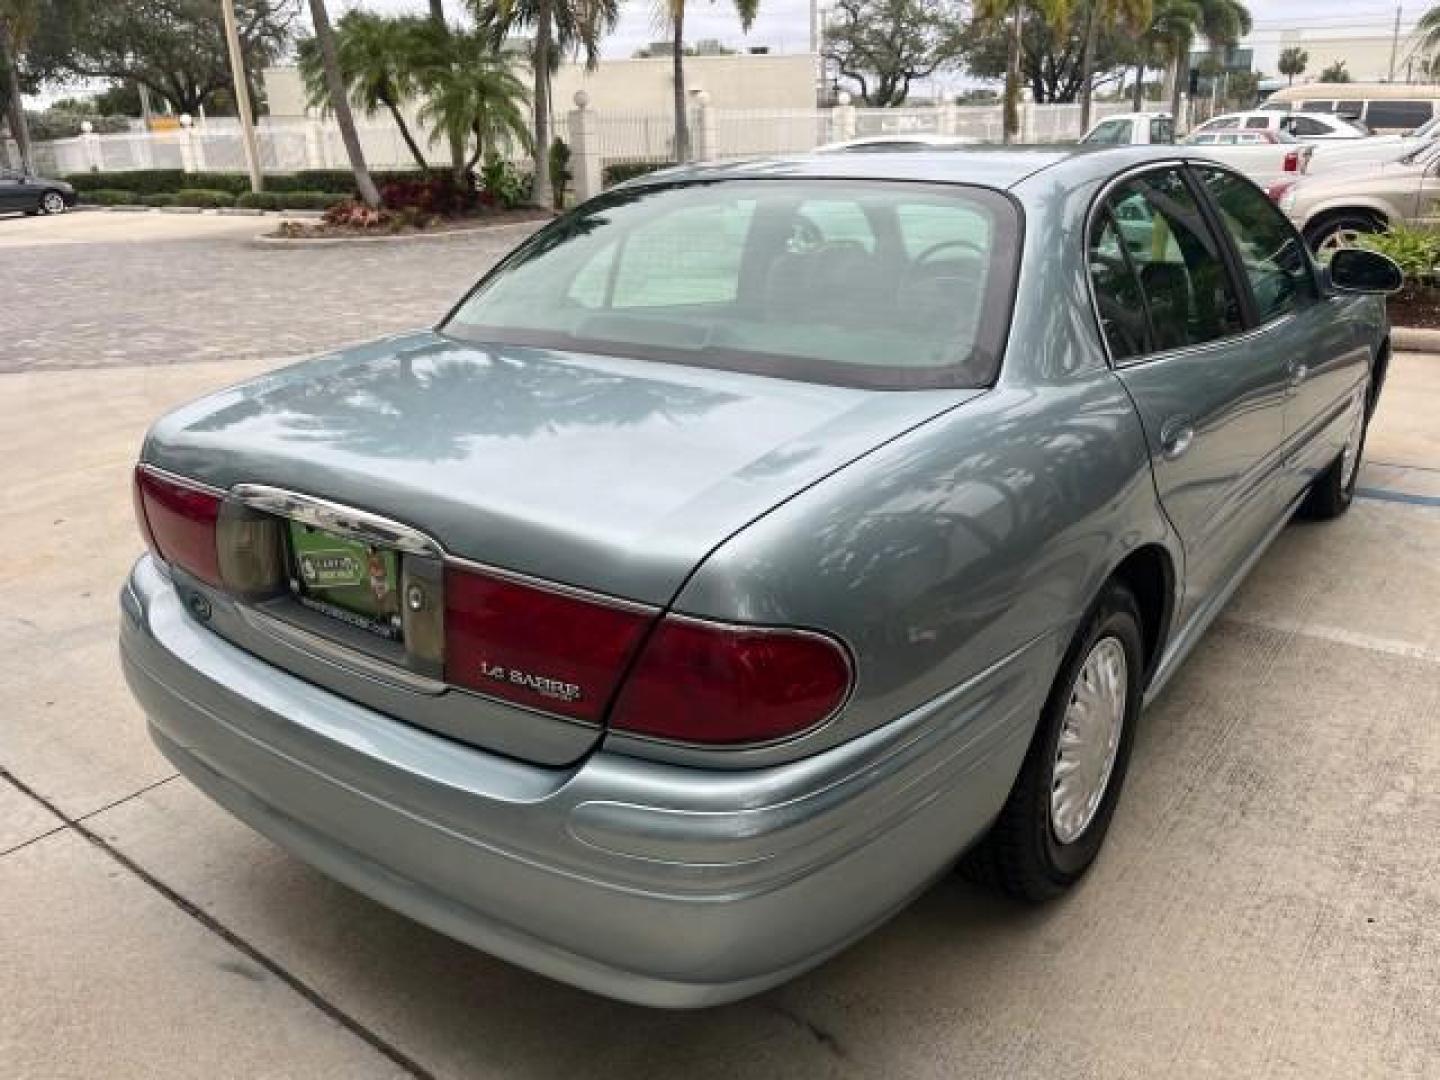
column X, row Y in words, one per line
column 242, row 95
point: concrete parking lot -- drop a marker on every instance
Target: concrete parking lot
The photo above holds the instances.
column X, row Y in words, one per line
column 1268, row 904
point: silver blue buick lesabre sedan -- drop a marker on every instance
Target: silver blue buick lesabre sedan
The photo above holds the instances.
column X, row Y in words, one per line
column 749, row 546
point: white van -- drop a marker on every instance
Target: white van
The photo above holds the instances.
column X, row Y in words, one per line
column 1382, row 107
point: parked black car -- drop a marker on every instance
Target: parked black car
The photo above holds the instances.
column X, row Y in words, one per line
column 34, row 194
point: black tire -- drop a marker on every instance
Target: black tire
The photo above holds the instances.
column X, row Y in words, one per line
column 52, row 202
column 1331, row 494
column 1021, row 854
column 1352, row 221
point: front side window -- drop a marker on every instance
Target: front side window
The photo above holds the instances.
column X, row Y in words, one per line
column 1162, row 130
column 1305, row 127
column 861, row 283
column 1183, row 276
column 1317, row 106
column 1258, row 122
column 1270, row 249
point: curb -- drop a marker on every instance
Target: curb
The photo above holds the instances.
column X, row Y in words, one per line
column 1414, row 339
column 449, row 236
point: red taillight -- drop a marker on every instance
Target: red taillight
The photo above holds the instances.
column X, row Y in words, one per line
column 705, row 682
column 1292, row 161
column 178, row 522
column 533, row 646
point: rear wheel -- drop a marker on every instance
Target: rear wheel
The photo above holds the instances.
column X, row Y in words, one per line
column 1059, row 810
column 1338, row 231
column 52, row 202
column 1334, row 490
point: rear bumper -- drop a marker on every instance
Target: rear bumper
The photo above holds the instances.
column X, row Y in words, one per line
column 652, row 883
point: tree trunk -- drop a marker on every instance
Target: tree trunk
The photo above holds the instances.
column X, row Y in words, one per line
column 1012, row 75
column 1087, row 63
column 9, row 60
column 1139, row 87
column 340, row 104
column 1182, row 76
column 415, row 151
column 682, row 126
column 540, row 192
column 457, row 147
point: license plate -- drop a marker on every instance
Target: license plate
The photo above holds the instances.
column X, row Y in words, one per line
column 350, row 580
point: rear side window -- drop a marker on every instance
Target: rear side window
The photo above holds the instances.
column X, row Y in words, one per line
column 1187, row 288
column 880, row 284
column 1162, row 130
column 1397, row 114
column 1257, row 122
column 1317, row 106
column 1304, row 126
column 1118, row 299
column 1270, row 250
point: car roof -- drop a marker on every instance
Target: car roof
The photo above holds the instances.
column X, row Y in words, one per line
column 997, row 167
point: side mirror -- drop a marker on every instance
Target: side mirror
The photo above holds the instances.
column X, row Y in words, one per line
column 1358, row 270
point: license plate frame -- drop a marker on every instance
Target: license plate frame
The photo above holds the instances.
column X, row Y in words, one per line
column 353, row 581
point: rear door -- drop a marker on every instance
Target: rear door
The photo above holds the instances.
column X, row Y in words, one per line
column 12, row 192
column 1324, row 359
column 1213, row 405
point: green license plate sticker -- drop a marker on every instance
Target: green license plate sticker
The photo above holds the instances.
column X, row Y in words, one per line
column 348, row 573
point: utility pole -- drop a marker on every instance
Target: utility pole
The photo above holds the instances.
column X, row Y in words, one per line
column 1395, row 43
column 242, row 95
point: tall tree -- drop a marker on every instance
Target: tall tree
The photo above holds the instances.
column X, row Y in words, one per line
column 1171, row 30
column 883, row 46
column 1011, row 14
column 1050, row 57
column 1292, row 63
column 671, row 15
column 560, row 26
column 340, row 103
column 474, row 95
column 17, row 22
column 174, row 48
column 1222, row 23
column 379, row 59
column 1133, row 15
column 437, row 20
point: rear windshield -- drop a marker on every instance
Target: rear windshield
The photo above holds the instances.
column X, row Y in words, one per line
column 879, row 284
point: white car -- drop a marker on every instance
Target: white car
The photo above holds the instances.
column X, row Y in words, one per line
column 1131, row 129
column 1372, row 151
column 1307, row 127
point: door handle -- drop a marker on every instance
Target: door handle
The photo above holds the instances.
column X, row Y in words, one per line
column 1176, row 435
column 1298, row 372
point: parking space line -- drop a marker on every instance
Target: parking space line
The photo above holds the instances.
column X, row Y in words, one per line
column 1385, row 495
column 230, row 937
column 1337, row 635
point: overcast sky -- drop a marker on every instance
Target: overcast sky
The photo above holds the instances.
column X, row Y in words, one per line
column 784, row 24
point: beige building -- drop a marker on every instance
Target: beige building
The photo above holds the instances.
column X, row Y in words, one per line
column 742, row 81
column 1367, row 59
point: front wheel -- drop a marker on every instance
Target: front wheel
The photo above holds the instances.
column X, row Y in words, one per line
column 1059, row 810
column 52, row 202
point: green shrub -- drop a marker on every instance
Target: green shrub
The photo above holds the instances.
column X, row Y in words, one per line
column 1415, row 249
column 617, row 172
column 164, row 198
column 139, row 181
column 288, row 200
column 110, row 197
column 560, row 174
column 502, row 185
column 207, row 197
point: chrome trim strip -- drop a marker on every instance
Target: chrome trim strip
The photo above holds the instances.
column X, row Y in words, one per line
column 556, row 587
column 333, row 517
column 342, row 655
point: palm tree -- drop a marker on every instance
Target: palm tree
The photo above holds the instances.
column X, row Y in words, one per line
column 378, row 59
column 1292, row 63
column 344, row 118
column 17, row 23
column 1171, row 29
column 1428, row 30
column 1133, row 14
column 1055, row 13
column 560, row 26
column 671, row 15
column 475, row 94
column 1222, row 23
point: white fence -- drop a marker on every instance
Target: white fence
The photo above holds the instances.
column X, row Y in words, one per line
column 288, row 145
